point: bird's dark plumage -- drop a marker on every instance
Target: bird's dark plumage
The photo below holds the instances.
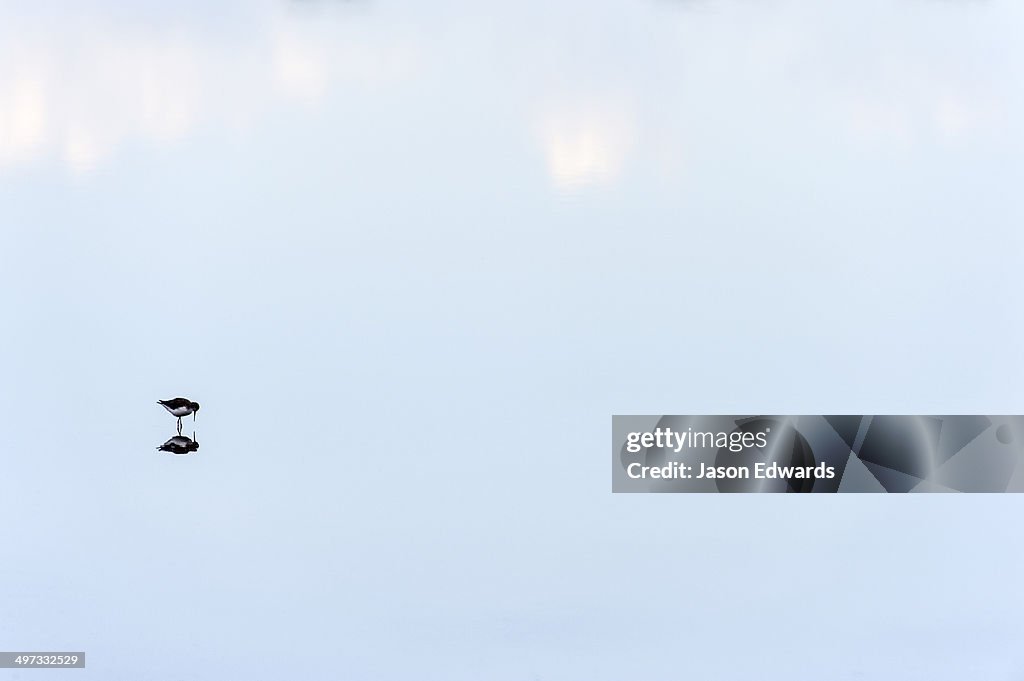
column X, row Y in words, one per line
column 179, row 407
column 176, row 403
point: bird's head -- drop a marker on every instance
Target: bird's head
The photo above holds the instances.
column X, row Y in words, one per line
column 195, row 407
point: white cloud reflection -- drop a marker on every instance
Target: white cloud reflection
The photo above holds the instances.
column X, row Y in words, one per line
column 76, row 97
column 23, row 116
column 608, row 96
column 586, row 144
column 724, row 78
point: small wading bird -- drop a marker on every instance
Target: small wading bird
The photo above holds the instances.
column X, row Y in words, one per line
column 179, row 407
column 179, row 444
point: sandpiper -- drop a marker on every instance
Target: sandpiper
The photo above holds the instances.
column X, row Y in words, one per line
column 179, row 407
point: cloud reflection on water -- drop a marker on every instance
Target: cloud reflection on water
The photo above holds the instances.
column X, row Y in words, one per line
column 675, row 77
column 77, row 96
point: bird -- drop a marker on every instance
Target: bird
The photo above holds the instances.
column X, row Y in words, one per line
column 179, row 407
column 179, row 444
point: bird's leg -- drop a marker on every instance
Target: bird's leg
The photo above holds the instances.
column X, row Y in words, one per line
column 179, row 425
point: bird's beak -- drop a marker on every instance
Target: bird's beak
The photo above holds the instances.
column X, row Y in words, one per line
column 193, row 417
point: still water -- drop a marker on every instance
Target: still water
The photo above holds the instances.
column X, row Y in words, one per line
column 410, row 257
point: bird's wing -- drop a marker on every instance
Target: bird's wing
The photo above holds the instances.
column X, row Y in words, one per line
column 175, row 403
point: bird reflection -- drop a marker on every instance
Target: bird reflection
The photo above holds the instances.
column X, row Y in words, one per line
column 180, row 444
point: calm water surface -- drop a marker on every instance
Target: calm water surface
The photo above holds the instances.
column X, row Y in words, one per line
column 410, row 257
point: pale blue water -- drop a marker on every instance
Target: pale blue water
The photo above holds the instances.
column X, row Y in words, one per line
column 411, row 257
